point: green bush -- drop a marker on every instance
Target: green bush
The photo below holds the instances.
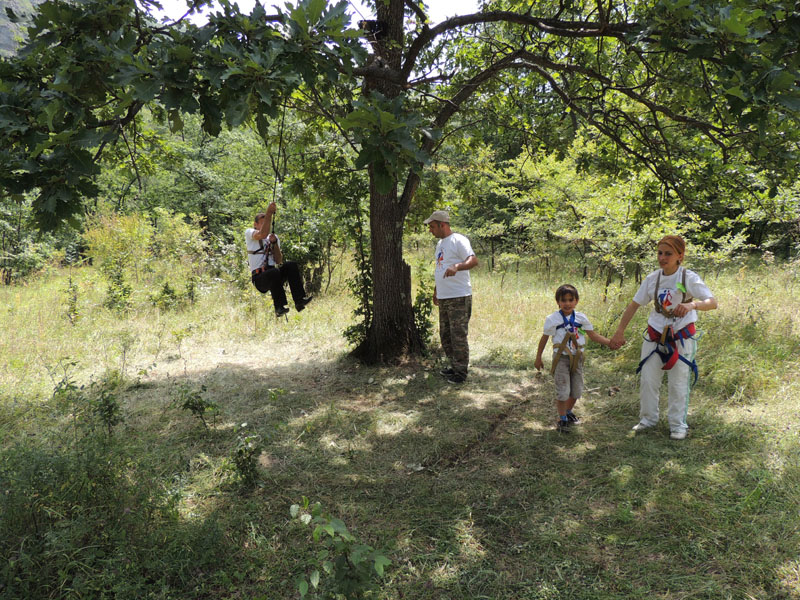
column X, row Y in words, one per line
column 244, row 457
column 351, row 567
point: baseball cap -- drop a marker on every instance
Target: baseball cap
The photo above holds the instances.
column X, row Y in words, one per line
column 438, row 215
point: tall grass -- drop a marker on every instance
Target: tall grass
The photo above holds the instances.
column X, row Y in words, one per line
column 469, row 491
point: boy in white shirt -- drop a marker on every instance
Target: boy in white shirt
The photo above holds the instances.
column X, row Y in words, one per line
column 569, row 329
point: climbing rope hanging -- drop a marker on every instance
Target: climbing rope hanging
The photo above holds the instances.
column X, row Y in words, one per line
column 277, row 166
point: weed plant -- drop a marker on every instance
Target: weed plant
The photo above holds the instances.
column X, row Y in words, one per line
column 469, row 491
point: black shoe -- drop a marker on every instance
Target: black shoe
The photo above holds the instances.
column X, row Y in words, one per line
column 447, row 371
column 456, row 378
column 302, row 304
column 573, row 419
column 562, row 426
column 279, row 312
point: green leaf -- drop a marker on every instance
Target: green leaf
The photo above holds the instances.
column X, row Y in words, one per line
column 737, row 92
column 236, row 112
column 782, row 80
column 294, row 509
column 790, row 102
column 365, row 157
column 50, row 111
column 733, row 25
column 314, row 578
column 146, row 89
column 182, row 52
column 339, row 526
column 315, row 8
column 302, row 586
column 380, row 563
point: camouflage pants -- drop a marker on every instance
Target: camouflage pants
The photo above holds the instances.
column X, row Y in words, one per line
column 454, row 314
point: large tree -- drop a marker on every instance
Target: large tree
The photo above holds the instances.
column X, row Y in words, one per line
column 694, row 90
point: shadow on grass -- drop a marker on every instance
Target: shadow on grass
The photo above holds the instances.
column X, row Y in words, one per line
column 469, row 489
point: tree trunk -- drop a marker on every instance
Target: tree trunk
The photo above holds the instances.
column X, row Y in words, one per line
column 392, row 334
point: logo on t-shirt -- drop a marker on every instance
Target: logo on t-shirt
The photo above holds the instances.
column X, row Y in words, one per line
column 439, row 258
column 665, row 298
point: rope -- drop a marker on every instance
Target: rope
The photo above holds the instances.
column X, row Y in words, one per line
column 280, row 152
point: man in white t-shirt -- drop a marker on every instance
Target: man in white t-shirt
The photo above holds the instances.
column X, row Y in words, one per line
column 453, row 293
column 268, row 270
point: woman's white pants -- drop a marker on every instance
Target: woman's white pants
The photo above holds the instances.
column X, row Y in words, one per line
column 678, row 386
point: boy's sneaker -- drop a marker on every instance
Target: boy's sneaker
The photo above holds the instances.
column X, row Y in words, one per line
column 562, row 426
column 573, row 419
column 447, row 371
column 639, row 427
column 677, row 435
column 456, row 378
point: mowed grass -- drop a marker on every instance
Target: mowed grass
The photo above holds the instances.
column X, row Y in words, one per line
column 469, row 490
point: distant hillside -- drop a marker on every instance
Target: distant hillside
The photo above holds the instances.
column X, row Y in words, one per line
column 12, row 33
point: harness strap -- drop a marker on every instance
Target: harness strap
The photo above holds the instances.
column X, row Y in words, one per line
column 574, row 359
column 570, row 337
column 667, row 348
column 262, row 249
column 266, row 250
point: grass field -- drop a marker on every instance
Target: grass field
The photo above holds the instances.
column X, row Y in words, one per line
column 468, row 490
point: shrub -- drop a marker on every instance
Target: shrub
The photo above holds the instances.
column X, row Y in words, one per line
column 351, row 567
column 244, row 457
column 193, row 401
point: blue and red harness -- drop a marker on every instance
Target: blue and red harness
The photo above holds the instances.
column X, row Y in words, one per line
column 667, row 347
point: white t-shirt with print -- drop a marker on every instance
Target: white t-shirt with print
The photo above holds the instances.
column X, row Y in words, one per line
column 257, row 260
column 556, row 333
column 670, row 297
column 453, row 249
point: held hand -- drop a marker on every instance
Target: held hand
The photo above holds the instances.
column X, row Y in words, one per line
column 683, row 309
column 272, row 208
column 617, row 341
column 272, row 238
column 450, row 271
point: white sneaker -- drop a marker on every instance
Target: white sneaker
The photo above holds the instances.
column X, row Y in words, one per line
column 641, row 427
column 677, row 435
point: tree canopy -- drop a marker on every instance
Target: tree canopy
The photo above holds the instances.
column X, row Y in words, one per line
column 702, row 94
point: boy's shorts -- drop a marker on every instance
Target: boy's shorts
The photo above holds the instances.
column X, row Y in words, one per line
column 568, row 385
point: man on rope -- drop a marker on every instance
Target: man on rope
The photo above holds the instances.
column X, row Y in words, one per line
column 268, row 270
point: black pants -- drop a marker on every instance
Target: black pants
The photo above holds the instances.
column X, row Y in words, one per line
column 272, row 281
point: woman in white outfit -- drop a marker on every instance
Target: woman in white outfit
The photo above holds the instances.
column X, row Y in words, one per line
column 669, row 344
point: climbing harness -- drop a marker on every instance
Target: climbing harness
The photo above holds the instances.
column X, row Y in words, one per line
column 667, row 347
column 570, row 341
column 668, row 339
column 266, row 250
